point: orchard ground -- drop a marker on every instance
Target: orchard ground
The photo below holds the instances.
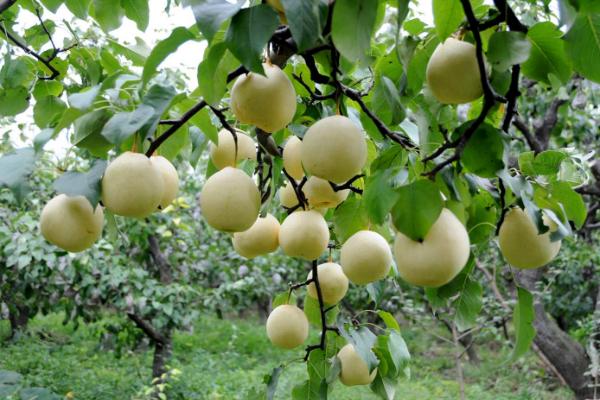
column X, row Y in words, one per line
column 225, row 359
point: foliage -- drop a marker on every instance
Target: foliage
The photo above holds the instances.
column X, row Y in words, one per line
column 347, row 57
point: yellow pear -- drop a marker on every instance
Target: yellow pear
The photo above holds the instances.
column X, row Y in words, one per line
column 438, row 258
column 333, row 283
column 170, row 180
column 292, row 158
column 70, row 223
column 366, row 257
column 223, row 154
column 522, row 245
column 320, row 194
column 334, row 149
column 287, row 326
column 355, row 370
column 261, row 238
column 268, row 102
column 287, row 196
column 276, row 4
column 230, row 200
column 132, row 186
column 453, row 74
column 304, row 234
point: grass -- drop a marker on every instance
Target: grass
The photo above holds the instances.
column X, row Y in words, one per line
column 226, row 359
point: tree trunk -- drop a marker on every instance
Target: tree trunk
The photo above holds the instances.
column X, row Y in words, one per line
column 162, row 354
column 18, row 317
column 568, row 356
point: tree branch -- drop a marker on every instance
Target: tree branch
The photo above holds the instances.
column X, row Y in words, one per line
column 175, row 127
column 323, row 314
column 531, row 140
column 147, row 328
column 6, row 4
column 348, row 185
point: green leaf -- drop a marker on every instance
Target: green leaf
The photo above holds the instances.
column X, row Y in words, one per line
column 15, row 72
column 107, row 14
column 447, row 16
column 380, row 194
column 334, row 370
column 481, row 223
column 249, row 32
column 508, row 48
column 398, row 350
column 87, row 184
column 198, row 140
column 304, row 19
column 384, row 387
column 137, row 11
column 47, row 111
column 158, row 97
column 123, row 125
column 403, row 8
column 418, row 206
column 363, row 341
column 548, row 162
column 163, row 49
column 571, row 201
column 79, row 8
column 283, row 298
column 210, row 15
column 173, row 145
column 389, row 320
column 386, row 101
column 349, row 218
column 84, row 99
column 15, row 168
column 523, row 317
column 583, row 45
column 41, row 139
column 483, row 154
column 352, row 28
column 213, row 71
column 88, row 133
column 52, row 5
column 47, row 88
column 468, row 305
column 547, row 55
column 13, row 101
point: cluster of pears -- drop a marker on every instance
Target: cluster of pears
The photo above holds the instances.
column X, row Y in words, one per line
column 133, row 185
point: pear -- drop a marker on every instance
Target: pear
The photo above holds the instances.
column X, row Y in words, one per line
column 132, row 186
column 261, row 238
column 521, row 244
column 320, row 194
column 292, row 158
column 268, row 102
column 304, row 234
column 332, row 281
column 223, row 155
column 230, row 200
column 287, row 196
column 453, row 73
column 170, row 180
column 355, row 370
column 366, row 257
column 437, row 259
column 334, row 149
column 70, row 223
column 287, row 326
